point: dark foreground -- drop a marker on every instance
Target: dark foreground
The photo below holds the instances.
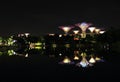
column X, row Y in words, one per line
column 43, row 68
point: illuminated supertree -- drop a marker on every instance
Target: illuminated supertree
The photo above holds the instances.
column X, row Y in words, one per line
column 76, row 37
column 88, row 61
column 75, row 31
column 97, row 31
column 83, row 26
column 27, row 34
column 101, row 32
column 66, row 29
column 83, row 62
column 66, row 60
column 91, row 30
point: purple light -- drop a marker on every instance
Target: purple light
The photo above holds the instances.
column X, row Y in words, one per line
column 83, row 26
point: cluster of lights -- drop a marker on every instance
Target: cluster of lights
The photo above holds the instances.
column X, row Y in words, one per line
column 66, row 29
column 37, row 45
column 25, row 34
column 83, row 26
column 82, row 60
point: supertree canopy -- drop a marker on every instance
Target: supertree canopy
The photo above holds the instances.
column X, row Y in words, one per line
column 66, row 29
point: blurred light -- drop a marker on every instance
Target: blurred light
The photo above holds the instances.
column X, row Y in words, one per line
column 60, row 54
column 66, row 60
column 67, row 45
column 83, row 63
column 76, row 38
column 97, row 31
column 92, row 60
column 101, row 32
column 14, row 40
column 83, row 26
column 38, row 43
column 38, row 47
column 51, row 34
column 75, row 31
column 97, row 59
column 26, row 55
column 66, row 29
column 27, row 34
column 60, row 35
column 54, row 45
column 91, row 29
column 76, row 57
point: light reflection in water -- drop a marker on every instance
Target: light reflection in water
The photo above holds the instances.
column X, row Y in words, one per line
column 66, row 60
column 78, row 58
column 82, row 60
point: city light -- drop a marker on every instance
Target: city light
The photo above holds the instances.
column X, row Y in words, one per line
column 97, row 31
column 66, row 29
column 76, row 31
column 91, row 29
column 83, row 26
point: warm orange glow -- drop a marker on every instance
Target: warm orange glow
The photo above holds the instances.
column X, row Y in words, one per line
column 76, row 38
column 32, row 45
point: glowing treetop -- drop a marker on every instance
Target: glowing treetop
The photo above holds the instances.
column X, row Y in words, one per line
column 75, row 31
column 66, row 29
column 97, row 31
column 91, row 29
column 101, row 32
column 83, row 26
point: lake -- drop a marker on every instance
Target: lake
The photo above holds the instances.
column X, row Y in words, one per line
column 37, row 66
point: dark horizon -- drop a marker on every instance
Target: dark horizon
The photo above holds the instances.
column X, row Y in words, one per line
column 42, row 18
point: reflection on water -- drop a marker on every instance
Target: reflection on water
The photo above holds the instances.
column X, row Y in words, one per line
column 66, row 60
column 82, row 59
column 65, row 56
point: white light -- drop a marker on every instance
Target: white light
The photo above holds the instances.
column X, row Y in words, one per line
column 92, row 60
column 76, row 31
column 27, row 34
column 101, row 32
column 14, row 40
column 26, row 55
column 51, row 34
column 66, row 60
column 14, row 53
column 60, row 35
column 84, row 62
column 97, row 31
column 76, row 57
column 60, row 54
column 91, row 29
column 66, row 29
column 22, row 34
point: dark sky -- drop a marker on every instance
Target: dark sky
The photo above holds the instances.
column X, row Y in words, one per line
column 40, row 18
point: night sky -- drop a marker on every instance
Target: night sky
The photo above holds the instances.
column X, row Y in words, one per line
column 39, row 18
